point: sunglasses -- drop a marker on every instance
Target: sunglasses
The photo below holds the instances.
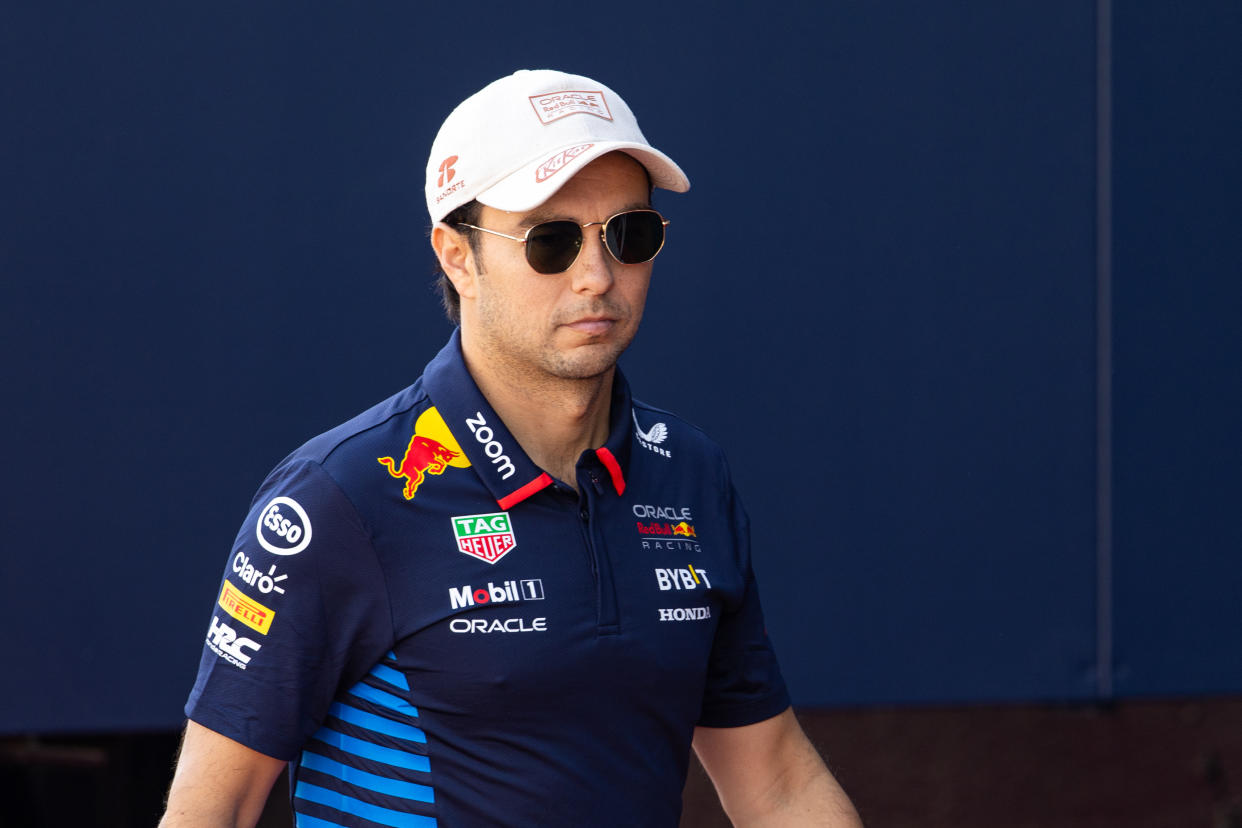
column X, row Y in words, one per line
column 632, row 237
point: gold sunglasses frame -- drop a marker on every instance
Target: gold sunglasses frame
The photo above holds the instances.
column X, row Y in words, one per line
column 603, row 236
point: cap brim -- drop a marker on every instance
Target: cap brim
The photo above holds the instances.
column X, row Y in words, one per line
column 536, row 182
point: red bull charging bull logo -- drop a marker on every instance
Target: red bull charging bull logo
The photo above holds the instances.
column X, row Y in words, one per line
column 684, row 528
column 431, row 450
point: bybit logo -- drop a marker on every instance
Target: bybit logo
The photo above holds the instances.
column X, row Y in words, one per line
column 687, row 578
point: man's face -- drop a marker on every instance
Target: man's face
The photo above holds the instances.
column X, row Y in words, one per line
column 570, row 325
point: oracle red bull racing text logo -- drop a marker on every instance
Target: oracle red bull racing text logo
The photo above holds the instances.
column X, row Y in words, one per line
column 664, row 520
column 431, row 450
column 486, row 537
column 556, row 105
column 673, row 529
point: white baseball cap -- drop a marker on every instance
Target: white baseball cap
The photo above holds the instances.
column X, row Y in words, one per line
column 515, row 142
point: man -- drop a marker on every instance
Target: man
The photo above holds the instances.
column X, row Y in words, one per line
column 510, row 594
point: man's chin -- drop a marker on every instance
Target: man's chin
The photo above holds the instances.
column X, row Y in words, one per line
column 587, row 361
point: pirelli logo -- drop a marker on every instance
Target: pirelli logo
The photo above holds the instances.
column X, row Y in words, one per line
column 246, row 610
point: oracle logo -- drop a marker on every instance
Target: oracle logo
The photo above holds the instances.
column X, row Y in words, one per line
column 556, row 105
column 447, row 173
column 557, row 162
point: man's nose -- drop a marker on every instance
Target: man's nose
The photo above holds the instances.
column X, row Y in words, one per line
column 592, row 272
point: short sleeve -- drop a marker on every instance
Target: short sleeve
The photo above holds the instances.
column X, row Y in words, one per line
column 744, row 682
column 302, row 609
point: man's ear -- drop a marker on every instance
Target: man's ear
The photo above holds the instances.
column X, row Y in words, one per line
column 456, row 258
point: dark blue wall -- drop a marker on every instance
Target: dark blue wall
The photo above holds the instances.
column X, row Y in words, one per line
column 880, row 295
column 1178, row 335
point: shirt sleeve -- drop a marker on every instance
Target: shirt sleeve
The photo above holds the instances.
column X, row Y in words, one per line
column 301, row 610
column 744, row 682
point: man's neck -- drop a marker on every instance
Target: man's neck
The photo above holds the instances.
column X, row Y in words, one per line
column 553, row 419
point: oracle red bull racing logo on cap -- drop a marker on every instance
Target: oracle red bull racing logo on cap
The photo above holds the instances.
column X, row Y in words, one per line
column 283, row 527
column 553, row 106
column 486, row 537
column 431, row 450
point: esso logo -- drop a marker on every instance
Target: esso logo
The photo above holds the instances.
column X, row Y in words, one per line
column 283, row 527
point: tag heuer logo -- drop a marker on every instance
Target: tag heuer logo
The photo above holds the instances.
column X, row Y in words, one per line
column 486, row 537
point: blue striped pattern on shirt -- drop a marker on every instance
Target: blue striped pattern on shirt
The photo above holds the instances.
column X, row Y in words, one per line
column 367, row 764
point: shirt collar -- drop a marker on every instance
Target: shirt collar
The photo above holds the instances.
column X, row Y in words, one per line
column 500, row 462
column 615, row 453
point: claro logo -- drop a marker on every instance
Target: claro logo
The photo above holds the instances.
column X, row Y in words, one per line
column 265, row 583
column 283, row 527
column 493, row 449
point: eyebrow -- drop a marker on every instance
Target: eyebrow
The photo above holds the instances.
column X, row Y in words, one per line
column 538, row 215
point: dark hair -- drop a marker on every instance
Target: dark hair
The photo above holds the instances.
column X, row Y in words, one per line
column 467, row 213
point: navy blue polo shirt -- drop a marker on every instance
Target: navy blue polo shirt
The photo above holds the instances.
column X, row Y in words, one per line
column 434, row 631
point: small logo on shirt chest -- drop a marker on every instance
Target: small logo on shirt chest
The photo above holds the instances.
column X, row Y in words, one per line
column 486, row 537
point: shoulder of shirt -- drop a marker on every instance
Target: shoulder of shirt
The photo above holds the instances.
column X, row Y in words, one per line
column 685, row 435
column 362, row 428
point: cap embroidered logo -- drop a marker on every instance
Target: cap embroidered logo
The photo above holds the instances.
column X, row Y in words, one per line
column 446, row 171
column 557, row 162
column 553, row 106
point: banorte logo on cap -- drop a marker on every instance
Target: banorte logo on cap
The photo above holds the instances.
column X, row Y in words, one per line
column 552, row 106
column 431, row 450
column 447, row 173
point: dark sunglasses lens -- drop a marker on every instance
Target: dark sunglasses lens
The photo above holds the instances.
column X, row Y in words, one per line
column 635, row 237
column 551, row 247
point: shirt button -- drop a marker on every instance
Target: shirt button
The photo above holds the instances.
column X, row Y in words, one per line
column 582, row 513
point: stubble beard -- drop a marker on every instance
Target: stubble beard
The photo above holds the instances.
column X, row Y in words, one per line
column 536, row 361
